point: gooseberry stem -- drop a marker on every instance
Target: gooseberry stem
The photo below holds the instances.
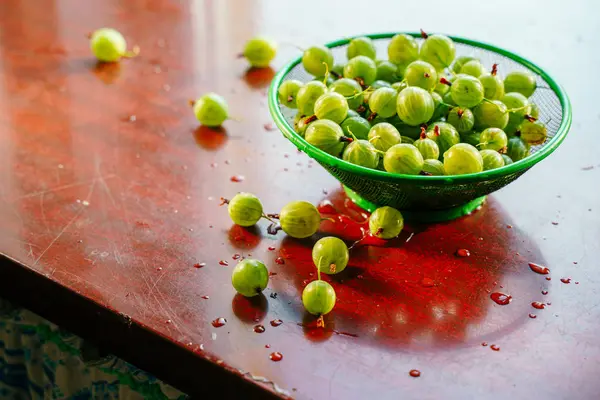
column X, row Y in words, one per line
column 352, row 134
column 133, row 52
column 273, row 215
column 265, row 216
column 346, row 139
column 423, row 133
column 494, row 69
column 310, row 119
column 372, row 117
column 326, row 73
column 423, row 34
column 224, row 201
column 318, row 269
column 530, row 118
column 445, row 81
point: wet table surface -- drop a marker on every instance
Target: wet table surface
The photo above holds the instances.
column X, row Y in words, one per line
column 110, row 197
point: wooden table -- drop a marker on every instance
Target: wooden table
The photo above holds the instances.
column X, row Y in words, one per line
column 110, row 195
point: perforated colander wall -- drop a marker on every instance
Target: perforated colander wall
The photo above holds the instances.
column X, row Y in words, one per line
column 426, row 192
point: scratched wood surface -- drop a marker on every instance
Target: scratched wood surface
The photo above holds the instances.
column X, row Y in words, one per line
column 110, row 194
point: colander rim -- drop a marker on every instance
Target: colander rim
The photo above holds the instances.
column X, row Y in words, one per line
column 518, row 166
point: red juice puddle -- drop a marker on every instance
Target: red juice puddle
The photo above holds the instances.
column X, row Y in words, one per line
column 276, row 322
column 318, row 325
column 501, row 298
column 538, row 305
column 271, row 248
column 554, row 223
column 532, row 316
column 539, row 269
column 272, row 273
column 280, row 260
column 463, row 253
column 219, row 322
column 269, row 127
column 276, row 356
column 565, row 280
column 199, row 265
column 259, row 328
column 495, row 347
column 237, row 178
column 205, row 297
column 415, row 373
column 223, row 263
column 236, row 256
column 484, row 344
column 267, row 346
column 548, row 278
column 427, row 282
column 544, row 292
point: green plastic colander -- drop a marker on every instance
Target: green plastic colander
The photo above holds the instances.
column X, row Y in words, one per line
column 430, row 198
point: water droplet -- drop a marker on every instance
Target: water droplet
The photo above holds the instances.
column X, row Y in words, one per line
column 538, row 305
column 236, row 256
column 159, row 269
column 495, row 347
column 271, row 248
column 61, row 166
column 544, row 292
column 427, row 282
column 168, row 321
column 463, row 253
column 484, row 344
column 509, row 226
column 280, row 260
column 565, row 280
column 205, row 297
column 276, row 356
column 548, row 278
column 532, row 316
column 219, row 322
column 276, row 322
column 237, row 178
column 259, row 328
column 539, row 269
column 501, row 298
column 132, row 118
column 415, row 373
column 223, row 263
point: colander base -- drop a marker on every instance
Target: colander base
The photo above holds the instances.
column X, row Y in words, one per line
column 445, row 214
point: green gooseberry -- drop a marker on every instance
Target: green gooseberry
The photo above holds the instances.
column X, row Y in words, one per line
column 245, row 209
column 534, row 111
column 359, row 127
column 317, row 60
column 350, row 89
column 460, row 61
column 380, row 84
column 444, row 134
column 473, row 138
column 493, row 86
column 518, row 108
column 403, row 49
column 433, row 167
column 361, row 152
column 438, row 50
column 383, row 136
column 533, row 132
column 427, row 147
column 361, row 46
column 318, row 297
column 300, row 124
column 466, row 91
column 521, row 82
column 407, row 140
column 507, row 159
column 332, row 106
column 308, row 95
column 288, row 91
column 108, row 45
column 383, row 102
column 330, row 255
column 474, row 68
column 493, row 139
column 299, row 219
column 441, row 108
column 415, row 106
column 260, row 51
column 211, row 110
column 386, row 71
column 403, row 159
column 326, row 135
column 462, row 119
column 327, row 80
column 376, row 120
column 447, row 98
column 462, row 158
column 362, row 69
column 441, row 88
column 517, row 149
column 491, row 159
column 421, row 74
column 413, row 132
column 491, row 114
column 352, row 113
column 338, row 70
column 250, row 277
column 399, row 86
column 386, row 222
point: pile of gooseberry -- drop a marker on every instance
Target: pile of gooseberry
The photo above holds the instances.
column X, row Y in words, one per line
column 301, row 219
column 421, row 111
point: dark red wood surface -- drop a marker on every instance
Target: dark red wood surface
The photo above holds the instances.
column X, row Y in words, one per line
column 110, row 195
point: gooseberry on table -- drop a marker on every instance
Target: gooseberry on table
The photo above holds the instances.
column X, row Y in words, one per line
column 421, row 74
column 403, row 159
column 361, row 46
column 299, row 219
column 414, row 106
column 260, row 51
column 521, row 82
column 307, row 96
column 250, row 277
column 386, row 222
column 108, row 45
column 462, row 158
column 245, row 209
column 211, row 110
column 383, row 136
column 326, row 135
column 318, row 297
column 362, row 69
column 330, row 255
column 317, row 60
column 332, row 106
column 491, row 159
column 288, row 91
